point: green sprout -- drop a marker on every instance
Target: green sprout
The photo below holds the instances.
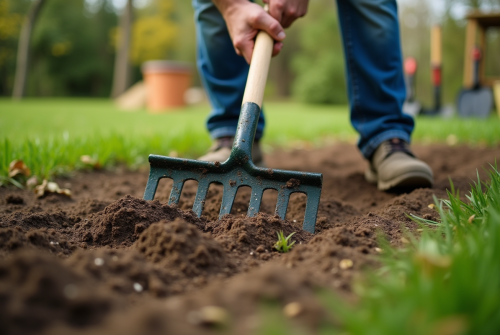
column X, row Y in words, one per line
column 282, row 244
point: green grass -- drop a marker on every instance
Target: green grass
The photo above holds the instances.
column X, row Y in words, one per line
column 51, row 134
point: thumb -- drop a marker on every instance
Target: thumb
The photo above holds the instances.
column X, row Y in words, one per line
column 270, row 25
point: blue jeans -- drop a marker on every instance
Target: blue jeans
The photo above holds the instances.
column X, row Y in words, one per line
column 372, row 50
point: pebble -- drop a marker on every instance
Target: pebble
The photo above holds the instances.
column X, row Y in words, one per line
column 70, row 291
column 138, row 287
column 346, row 264
column 292, row 309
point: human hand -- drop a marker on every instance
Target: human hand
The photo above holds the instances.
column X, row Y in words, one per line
column 287, row 11
column 244, row 20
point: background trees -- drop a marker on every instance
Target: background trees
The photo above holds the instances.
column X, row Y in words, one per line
column 74, row 46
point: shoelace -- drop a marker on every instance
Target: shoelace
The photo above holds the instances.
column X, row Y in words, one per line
column 397, row 145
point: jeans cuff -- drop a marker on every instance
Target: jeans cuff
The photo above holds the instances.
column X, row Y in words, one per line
column 230, row 131
column 368, row 149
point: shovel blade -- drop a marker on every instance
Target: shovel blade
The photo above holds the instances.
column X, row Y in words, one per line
column 475, row 103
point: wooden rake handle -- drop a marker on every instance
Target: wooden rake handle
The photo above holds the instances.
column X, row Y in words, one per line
column 259, row 68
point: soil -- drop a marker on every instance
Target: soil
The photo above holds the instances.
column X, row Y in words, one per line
column 107, row 262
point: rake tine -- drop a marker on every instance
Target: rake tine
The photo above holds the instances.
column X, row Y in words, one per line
column 312, row 205
column 151, row 187
column 255, row 200
column 175, row 194
column 227, row 200
column 282, row 203
column 201, row 194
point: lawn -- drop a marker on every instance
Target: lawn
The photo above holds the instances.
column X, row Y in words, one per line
column 444, row 281
column 51, row 134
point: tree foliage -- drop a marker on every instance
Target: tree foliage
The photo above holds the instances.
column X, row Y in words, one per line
column 319, row 66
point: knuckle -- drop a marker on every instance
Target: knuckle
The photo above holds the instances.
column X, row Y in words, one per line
column 274, row 26
column 292, row 12
column 238, row 43
column 279, row 5
column 255, row 18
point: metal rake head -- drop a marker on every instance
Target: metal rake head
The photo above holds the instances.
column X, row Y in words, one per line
column 236, row 172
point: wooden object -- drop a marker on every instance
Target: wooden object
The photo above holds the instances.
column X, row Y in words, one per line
column 259, row 68
column 436, row 54
column 496, row 92
column 477, row 25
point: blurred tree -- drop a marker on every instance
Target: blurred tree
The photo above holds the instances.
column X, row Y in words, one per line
column 72, row 54
column 154, row 32
column 11, row 19
column 319, row 65
column 123, row 69
column 24, row 52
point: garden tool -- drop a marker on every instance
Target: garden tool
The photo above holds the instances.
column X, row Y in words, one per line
column 477, row 101
column 239, row 170
column 436, row 64
column 411, row 106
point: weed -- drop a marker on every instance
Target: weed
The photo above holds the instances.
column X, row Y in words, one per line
column 282, row 244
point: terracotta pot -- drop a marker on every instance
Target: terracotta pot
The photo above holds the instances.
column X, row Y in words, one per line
column 166, row 84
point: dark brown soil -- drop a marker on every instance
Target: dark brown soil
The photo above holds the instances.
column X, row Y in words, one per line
column 107, row 262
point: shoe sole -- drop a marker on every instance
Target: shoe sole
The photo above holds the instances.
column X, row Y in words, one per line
column 408, row 180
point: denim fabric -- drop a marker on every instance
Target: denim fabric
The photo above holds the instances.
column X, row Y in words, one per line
column 372, row 49
column 223, row 72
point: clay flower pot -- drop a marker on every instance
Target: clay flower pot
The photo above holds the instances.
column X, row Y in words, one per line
column 166, row 84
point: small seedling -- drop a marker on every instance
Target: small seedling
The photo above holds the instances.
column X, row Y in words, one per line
column 282, row 244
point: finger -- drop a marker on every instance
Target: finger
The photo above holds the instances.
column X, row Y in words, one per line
column 270, row 25
column 247, row 50
column 276, row 10
column 290, row 15
column 277, row 48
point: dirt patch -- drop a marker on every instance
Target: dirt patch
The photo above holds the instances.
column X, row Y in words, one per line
column 14, row 239
column 182, row 247
column 142, row 267
column 38, row 291
column 120, row 223
column 251, row 240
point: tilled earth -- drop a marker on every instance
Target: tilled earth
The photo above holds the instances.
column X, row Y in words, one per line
column 107, row 262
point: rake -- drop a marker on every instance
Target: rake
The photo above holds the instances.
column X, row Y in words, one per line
column 239, row 170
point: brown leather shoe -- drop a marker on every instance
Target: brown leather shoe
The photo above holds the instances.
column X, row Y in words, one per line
column 221, row 150
column 393, row 165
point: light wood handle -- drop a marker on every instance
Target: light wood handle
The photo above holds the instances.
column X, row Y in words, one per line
column 259, row 67
column 436, row 54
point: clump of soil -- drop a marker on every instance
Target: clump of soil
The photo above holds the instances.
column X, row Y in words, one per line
column 180, row 246
column 14, row 199
column 37, row 290
column 336, row 255
column 89, row 206
column 245, row 298
column 13, row 239
column 330, row 212
column 416, row 203
column 121, row 223
column 254, row 238
column 34, row 217
column 122, row 271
